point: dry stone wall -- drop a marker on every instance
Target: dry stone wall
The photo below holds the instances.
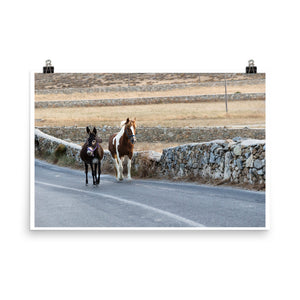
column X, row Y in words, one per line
column 158, row 134
column 49, row 146
column 147, row 88
column 46, row 144
column 150, row 100
column 239, row 161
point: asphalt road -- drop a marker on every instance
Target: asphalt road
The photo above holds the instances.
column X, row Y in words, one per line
column 63, row 200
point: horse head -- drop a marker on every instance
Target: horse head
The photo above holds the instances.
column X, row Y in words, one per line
column 129, row 130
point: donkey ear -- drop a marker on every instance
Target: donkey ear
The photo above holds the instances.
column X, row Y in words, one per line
column 88, row 130
column 95, row 130
column 127, row 121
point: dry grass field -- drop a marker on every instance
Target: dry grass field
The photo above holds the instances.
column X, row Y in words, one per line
column 258, row 88
column 241, row 113
column 202, row 114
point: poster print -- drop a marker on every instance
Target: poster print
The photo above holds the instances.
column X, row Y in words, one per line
column 149, row 151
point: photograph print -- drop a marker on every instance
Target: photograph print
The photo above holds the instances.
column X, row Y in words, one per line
column 149, row 150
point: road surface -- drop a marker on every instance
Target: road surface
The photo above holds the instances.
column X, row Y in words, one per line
column 63, row 200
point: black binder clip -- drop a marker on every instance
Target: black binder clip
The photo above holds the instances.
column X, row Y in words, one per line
column 48, row 68
column 251, row 68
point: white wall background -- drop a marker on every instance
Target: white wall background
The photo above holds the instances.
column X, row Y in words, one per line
column 150, row 36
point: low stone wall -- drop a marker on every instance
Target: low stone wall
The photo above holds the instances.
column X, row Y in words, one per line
column 148, row 88
column 47, row 146
column 240, row 161
column 150, row 100
column 158, row 134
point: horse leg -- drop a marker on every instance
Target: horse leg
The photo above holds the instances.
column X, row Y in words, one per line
column 129, row 168
column 116, row 166
column 116, row 170
column 120, row 168
column 86, row 173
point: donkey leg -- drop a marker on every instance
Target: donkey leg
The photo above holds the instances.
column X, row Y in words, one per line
column 129, row 168
column 93, row 173
column 96, row 173
column 86, row 173
column 99, row 172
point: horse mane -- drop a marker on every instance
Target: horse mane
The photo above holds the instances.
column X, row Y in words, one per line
column 122, row 123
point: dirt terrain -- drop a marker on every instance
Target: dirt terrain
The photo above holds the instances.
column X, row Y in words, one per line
column 240, row 113
column 198, row 90
column 165, row 115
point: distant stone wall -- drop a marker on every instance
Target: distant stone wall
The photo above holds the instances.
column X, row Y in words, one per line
column 240, row 161
column 150, row 100
column 148, row 88
column 94, row 80
column 158, row 134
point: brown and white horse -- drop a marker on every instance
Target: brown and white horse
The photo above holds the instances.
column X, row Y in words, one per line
column 121, row 145
column 92, row 154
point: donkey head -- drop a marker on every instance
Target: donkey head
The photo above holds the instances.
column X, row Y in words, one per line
column 92, row 144
column 130, row 130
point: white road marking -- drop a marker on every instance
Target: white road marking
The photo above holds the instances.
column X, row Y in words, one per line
column 130, row 202
column 156, row 187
